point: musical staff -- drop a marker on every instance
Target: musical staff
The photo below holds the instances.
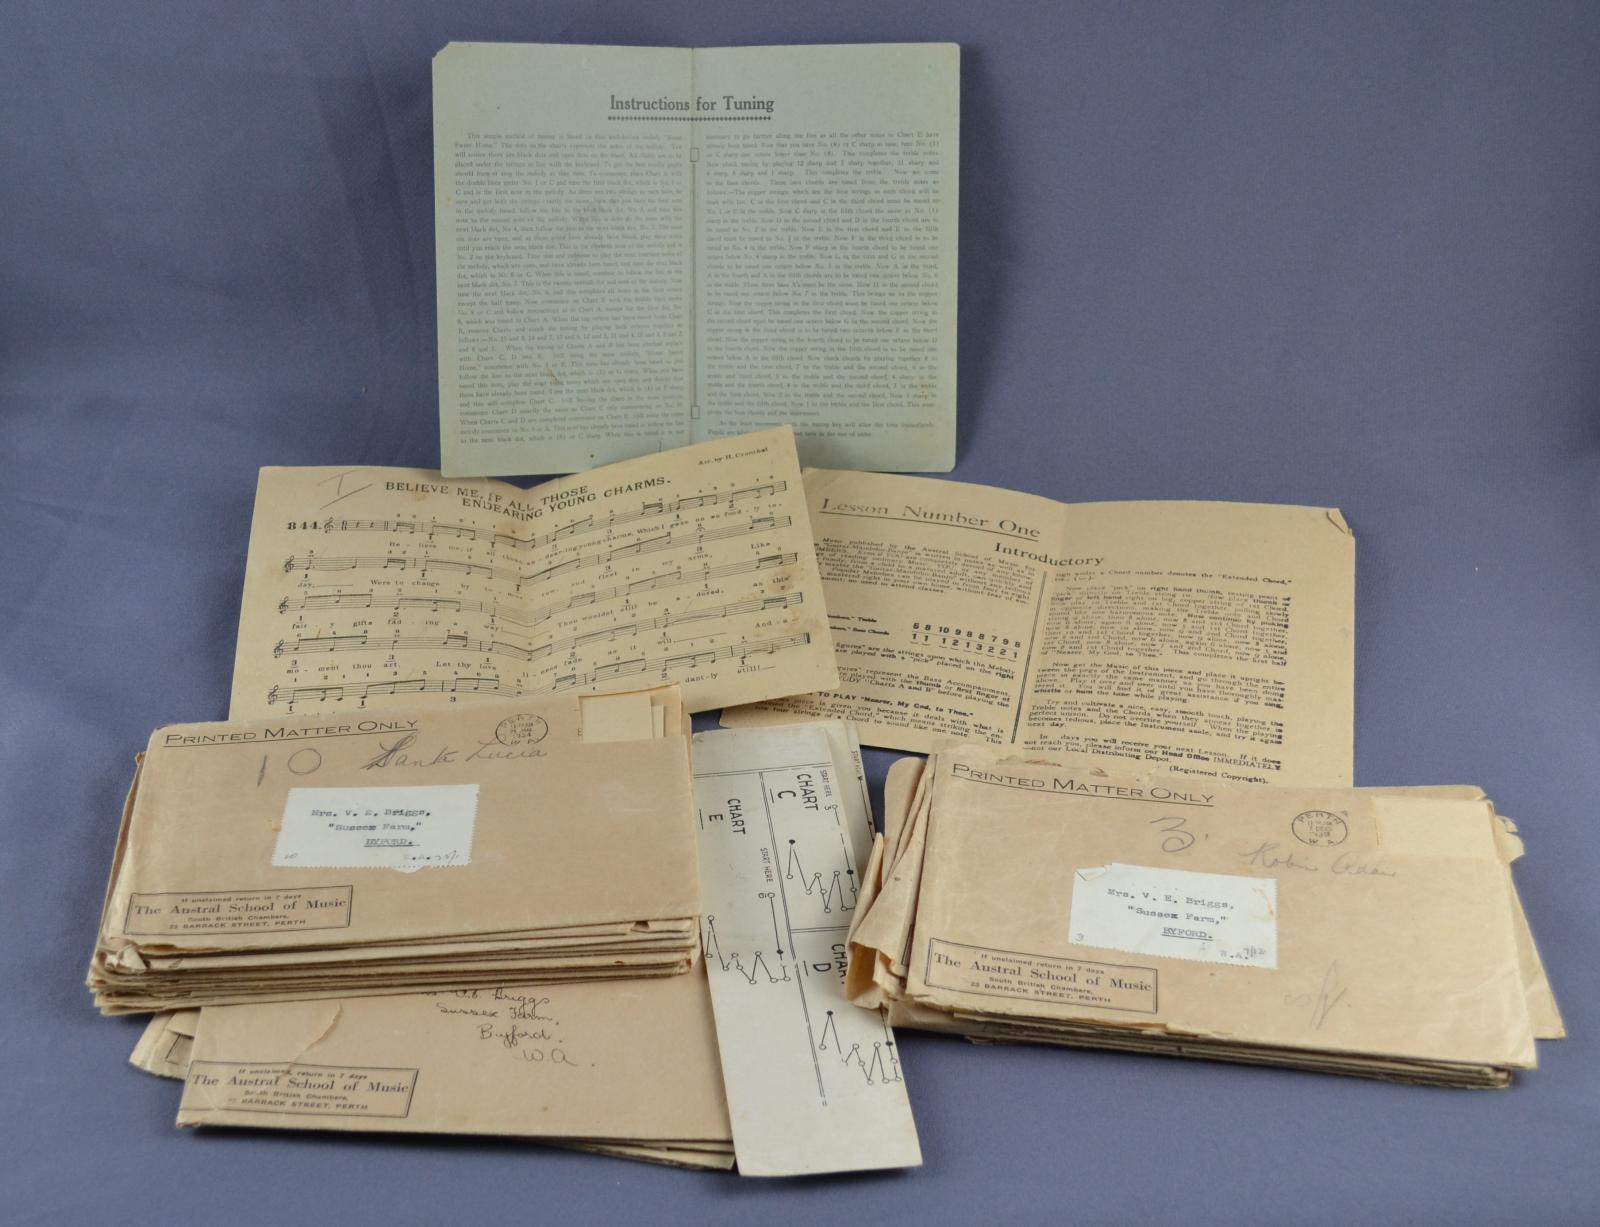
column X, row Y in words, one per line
column 362, row 642
column 682, row 661
column 503, row 612
column 578, row 528
column 513, row 575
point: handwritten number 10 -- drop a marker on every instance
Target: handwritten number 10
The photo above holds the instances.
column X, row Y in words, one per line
column 303, row 761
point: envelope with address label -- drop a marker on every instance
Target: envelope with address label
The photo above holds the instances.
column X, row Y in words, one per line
column 1368, row 932
column 320, row 856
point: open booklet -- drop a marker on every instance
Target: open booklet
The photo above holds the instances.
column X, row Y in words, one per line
column 1214, row 638
column 640, row 247
column 368, row 587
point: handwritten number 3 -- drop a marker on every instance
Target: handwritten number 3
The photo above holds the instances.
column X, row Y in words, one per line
column 1178, row 837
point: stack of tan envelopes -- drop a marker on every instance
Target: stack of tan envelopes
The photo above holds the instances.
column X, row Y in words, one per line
column 320, row 856
column 626, row 1068
column 1359, row 931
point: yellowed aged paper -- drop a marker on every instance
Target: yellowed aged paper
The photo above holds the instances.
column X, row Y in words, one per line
column 905, row 774
column 367, row 587
column 508, row 1056
column 1542, row 1007
column 166, row 1043
column 642, row 247
column 440, row 847
column 625, row 1064
column 1349, row 930
column 1210, row 639
column 899, row 790
column 621, row 1067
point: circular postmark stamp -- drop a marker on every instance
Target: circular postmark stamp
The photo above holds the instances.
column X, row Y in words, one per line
column 1320, row 828
column 523, row 729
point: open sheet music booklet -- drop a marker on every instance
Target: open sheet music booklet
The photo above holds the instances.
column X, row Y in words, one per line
column 368, row 587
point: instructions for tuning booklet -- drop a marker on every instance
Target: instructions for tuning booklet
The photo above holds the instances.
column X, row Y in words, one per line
column 644, row 247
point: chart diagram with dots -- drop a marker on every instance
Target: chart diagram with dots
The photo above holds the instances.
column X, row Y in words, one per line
column 813, row 1082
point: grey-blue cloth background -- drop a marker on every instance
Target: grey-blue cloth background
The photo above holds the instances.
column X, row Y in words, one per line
column 1340, row 254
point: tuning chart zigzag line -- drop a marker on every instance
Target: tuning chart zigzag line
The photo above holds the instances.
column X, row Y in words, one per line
column 579, row 528
column 514, row 575
column 757, row 972
column 528, row 619
column 879, row 1066
column 493, row 685
column 832, row 889
column 362, row 642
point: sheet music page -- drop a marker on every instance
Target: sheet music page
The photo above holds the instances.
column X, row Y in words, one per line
column 694, row 566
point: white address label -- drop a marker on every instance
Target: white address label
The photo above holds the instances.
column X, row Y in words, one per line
column 1208, row 917
column 415, row 827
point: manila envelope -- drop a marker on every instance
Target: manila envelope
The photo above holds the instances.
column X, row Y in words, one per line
column 461, row 833
column 622, row 1067
column 1057, row 904
column 900, row 790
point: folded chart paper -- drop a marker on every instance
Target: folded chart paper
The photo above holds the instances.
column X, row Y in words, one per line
column 814, row 1084
column 1213, row 639
column 640, row 247
column 1370, row 932
column 626, row 1067
column 315, row 856
column 367, row 587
